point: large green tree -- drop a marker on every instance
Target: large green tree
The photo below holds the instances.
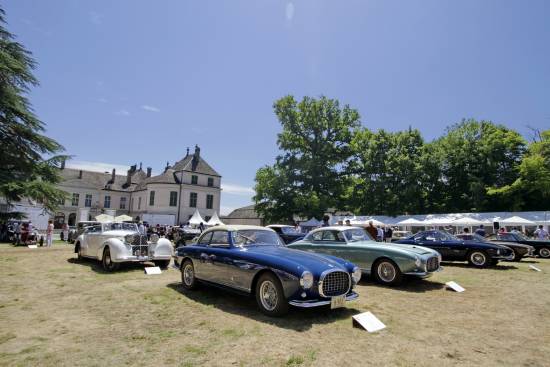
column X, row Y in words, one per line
column 28, row 158
column 315, row 152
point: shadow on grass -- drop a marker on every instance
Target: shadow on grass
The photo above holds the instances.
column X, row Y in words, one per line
column 96, row 266
column 499, row 266
column 298, row 319
column 409, row 284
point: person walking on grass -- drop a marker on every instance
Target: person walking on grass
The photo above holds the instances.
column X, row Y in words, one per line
column 49, row 234
column 541, row 233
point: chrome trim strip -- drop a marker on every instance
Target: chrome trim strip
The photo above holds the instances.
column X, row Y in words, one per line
column 307, row 304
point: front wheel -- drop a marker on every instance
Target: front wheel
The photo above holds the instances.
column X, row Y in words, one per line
column 544, row 252
column 107, row 261
column 163, row 264
column 387, row 272
column 270, row 296
column 188, row 275
column 478, row 258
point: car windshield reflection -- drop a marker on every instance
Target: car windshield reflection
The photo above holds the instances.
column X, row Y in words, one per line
column 357, row 234
column 119, row 226
column 252, row 237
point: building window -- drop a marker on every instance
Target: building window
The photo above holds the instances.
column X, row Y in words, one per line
column 88, row 201
column 209, row 201
column 152, row 198
column 193, row 200
column 194, row 180
column 173, row 198
column 210, row 181
column 123, row 203
column 76, row 198
column 139, row 203
column 107, row 202
column 207, row 218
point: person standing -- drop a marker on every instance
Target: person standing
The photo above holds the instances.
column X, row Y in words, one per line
column 541, row 233
column 65, row 230
column 348, row 223
column 379, row 234
column 325, row 221
column 481, row 230
column 49, row 234
column 201, row 227
column 16, row 233
column 141, row 228
column 388, row 234
column 372, row 230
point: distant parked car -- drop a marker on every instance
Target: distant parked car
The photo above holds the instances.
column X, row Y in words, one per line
column 116, row 243
column 542, row 247
column 387, row 262
column 75, row 231
column 253, row 260
column 478, row 254
column 286, row 232
column 398, row 235
column 519, row 249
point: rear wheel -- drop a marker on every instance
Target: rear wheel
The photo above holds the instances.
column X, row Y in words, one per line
column 478, row 258
column 387, row 272
column 188, row 275
column 78, row 251
column 544, row 252
column 270, row 296
column 163, row 264
column 107, row 261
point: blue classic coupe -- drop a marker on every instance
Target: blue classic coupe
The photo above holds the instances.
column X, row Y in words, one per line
column 253, row 260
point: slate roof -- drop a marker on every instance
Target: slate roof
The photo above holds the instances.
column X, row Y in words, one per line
column 198, row 166
column 246, row 212
column 167, row 177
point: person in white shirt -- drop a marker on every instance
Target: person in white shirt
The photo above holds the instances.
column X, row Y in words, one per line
column 380, row 235
column 541, row 233
column 16, row 233
column 49, row 234
column 141, row 228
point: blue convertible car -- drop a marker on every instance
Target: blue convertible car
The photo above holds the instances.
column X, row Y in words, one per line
column 253, row 260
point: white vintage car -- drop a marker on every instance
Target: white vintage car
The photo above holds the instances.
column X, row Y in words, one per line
column 115, row 243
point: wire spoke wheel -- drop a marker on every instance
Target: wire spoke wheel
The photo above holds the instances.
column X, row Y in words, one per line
column 188, row 275
column 386, row 271
column 268, row 295
column 478, row 258
column 544, row 252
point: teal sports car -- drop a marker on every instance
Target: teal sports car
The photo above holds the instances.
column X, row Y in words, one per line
column 386, row 262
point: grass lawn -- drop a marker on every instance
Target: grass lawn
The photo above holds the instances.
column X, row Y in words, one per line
column 56, row 311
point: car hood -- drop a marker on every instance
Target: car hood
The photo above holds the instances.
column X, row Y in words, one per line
column 291, row 260
column 119, row 233
column 415, row 249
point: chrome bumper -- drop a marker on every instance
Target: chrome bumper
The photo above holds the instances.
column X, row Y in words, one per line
column 308, row 303
column 140, row 258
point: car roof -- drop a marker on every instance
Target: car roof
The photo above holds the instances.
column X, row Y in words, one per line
column 237, row 227
column 336, row 228
column 278, row 226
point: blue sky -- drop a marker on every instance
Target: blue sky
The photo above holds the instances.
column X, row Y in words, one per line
column 124, row 82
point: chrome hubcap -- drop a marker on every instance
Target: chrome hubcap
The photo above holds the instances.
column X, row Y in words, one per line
column 544, row 252
column 386, row 272
column 268, row 295
column 188, row 275
column 478, row 258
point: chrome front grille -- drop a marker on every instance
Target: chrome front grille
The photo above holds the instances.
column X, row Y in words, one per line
column 432, row 264
column 334, row 283
column 140, row 246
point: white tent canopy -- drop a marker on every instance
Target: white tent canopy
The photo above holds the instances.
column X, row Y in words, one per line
column 215, row 220
column 313, row 222
column 411, row 222
column 196, row 219
column 365, row 222
column 123, row 218
column 466, row 221
column 516, row 221
column 438, row 221
column 104, row 218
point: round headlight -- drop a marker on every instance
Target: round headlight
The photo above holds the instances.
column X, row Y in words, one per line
column 417, row 262
column 306, row 280
column 154, row 238
column 356, row 275
column 129, row 238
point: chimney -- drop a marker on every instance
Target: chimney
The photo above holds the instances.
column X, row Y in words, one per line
column 63, row 162
column 197, row 151
column 149, row 169
column 80, row 174
column 113, row 176
column 129, row 176
column 167, row 166
column 187, row 152
column 196, row 158
column 140, row 166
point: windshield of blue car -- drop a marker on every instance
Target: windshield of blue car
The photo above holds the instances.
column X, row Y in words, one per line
column 120, row 226
column 357, row 234
column 254, row 237
column 289, row 230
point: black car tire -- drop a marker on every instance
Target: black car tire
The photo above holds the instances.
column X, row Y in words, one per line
column 517, row 258
column 544, row 252
column 188, row 279
column 270, row 296
column 479, row 258
column 387, row 272
column 78, row 252
column 494, row 262
column 106, row 261
column 163, row 264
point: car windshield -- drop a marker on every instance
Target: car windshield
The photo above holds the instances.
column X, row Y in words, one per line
column 289, row 230
column 247, row 237
column 478, row 237
column 357, row 234
column 120, row 226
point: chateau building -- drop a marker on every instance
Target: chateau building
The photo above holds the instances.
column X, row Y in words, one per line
column 188, row 185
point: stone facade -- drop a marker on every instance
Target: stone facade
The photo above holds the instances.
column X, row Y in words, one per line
column 189, row 184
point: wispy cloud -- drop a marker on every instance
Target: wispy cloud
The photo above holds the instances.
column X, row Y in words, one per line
column 150, row 108
column 289, row 11
column 96, row 166
column 122, row 113
column 96, row 18
column 235, row 189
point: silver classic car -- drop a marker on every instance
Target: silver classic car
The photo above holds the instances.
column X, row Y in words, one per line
column 115, row 243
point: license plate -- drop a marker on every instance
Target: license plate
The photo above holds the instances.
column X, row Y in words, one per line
column 337, row 302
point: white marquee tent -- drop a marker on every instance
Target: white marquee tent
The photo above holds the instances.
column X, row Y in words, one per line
column 123, row 218
column 313, row 222
column 466, row 222
column 516, row 221
column 411, row 222
column 215, row 220
column 104, row 218
column 196, row 219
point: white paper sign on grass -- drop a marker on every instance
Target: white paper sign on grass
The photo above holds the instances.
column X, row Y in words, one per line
column 368, row 321
column 532, row 267
column 32, row 246
column 152, row 270
column 455, row 287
